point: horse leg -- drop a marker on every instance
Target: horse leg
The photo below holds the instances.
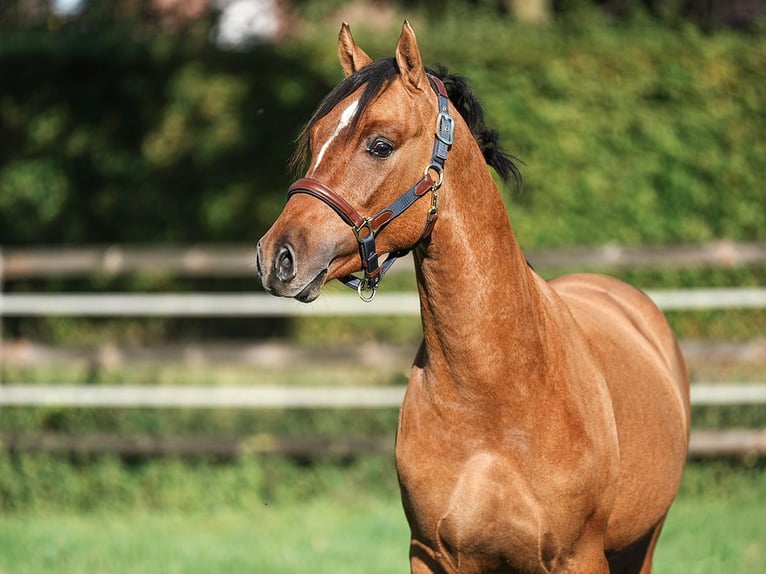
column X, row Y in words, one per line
column 588, row 561
column 595, row 565
column 646, row 567
column 422, row 559
column 637, row 558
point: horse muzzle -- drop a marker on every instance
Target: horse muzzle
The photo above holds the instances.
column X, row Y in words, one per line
column 282, row 274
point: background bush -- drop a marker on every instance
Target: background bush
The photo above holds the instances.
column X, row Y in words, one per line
column 629, row 130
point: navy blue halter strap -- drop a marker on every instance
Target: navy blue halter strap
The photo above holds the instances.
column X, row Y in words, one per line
column 366, row 228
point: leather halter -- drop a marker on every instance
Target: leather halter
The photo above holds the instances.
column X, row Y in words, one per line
column 366, row 228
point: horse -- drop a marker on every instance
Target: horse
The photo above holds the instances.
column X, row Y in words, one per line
column 545, row 425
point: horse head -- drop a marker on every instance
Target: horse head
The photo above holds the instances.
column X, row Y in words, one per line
column 368, row 141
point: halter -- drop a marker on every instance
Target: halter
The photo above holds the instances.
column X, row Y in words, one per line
column 366, row 228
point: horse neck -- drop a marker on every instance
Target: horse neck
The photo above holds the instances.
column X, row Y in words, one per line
column 482, row 307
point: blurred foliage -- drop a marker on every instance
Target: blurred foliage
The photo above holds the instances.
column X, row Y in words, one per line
column 328, row 423
column 105, row 137
column 42, row 483
column 632, row 130
column 630, row 133
column 261, row 424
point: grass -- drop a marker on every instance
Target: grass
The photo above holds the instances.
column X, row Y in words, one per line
column 716, row 525
column 320, row 536
column 704, row 536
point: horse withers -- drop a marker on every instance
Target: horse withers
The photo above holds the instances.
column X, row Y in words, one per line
column 545, row 425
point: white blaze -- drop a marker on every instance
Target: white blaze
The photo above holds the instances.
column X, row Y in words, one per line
column 345, row 119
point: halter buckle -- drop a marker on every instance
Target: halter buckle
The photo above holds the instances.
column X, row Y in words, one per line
column 445, row 128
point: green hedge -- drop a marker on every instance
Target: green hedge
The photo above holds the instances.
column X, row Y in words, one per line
column 632, row 132
column 628, row 133
column 104, row 137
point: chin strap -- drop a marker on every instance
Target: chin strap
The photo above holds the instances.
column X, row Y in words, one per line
column 366, row 228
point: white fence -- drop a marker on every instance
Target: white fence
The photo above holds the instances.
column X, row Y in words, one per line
column 280, row 397
column 333, row 304
column 230, row 261
column 238, row 260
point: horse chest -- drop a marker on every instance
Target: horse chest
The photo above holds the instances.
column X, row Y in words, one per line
column 480, row 494
column 481, row 518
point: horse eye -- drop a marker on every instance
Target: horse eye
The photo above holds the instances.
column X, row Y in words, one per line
column 380, row 148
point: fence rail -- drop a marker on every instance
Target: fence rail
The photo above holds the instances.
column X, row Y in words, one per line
column 239, row 260
column 197, row 261
column 703, row 443
column 334, row 304
column 283, row 397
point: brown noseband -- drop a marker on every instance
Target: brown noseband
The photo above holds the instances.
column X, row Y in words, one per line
column 366, row 228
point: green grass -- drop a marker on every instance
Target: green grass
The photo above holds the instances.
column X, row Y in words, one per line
column 706, row 536
column 317, row 537
column 717, row 523
column 715, row 526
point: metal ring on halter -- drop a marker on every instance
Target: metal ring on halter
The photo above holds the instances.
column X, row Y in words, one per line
column 363, row 288
column 364, row 230
column 440, row 172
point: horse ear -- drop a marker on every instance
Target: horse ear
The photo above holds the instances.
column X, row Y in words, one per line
column 408, row 57
column 352, row 57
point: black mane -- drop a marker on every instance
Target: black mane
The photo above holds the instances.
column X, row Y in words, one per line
column 468, row 105
column 377, row 76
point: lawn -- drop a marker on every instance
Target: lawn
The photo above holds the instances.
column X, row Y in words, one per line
column 711, row 536
column 316, row 537
column 717, row 525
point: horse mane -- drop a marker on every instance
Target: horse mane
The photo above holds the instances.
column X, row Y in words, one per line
column 469, row 106
column 376, row 77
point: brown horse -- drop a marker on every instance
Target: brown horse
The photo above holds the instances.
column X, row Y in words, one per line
column 545, row 425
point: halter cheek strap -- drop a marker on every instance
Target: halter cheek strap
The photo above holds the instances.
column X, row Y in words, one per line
column 366, row 228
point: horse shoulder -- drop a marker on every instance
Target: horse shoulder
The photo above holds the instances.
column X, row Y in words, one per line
column 624, row 328
column 647, row 380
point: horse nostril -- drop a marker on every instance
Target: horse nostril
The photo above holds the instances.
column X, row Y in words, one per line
column 285, row 263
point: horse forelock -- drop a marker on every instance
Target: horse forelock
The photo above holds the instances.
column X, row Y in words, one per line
column 375, row 78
